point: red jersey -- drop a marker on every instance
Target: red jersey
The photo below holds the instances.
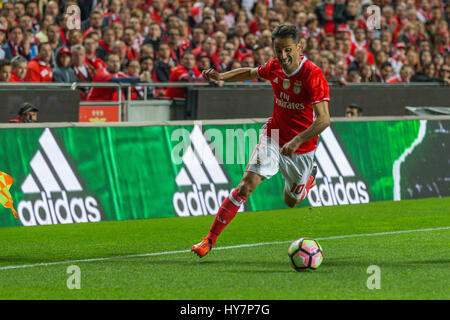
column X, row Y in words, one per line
column 294, row 96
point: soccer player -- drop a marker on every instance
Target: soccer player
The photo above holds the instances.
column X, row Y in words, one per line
column 290, row 135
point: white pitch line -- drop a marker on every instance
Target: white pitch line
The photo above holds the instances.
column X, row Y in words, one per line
column 219, row 248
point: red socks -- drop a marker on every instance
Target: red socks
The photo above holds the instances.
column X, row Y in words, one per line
column 226, row 213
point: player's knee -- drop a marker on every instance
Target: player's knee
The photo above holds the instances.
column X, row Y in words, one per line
column 244, row 189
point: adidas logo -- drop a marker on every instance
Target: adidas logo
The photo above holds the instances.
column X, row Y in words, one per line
column 336, row 180
column 53, row 193
column 202, row 182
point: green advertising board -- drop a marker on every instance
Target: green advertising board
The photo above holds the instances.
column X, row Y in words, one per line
column 90, row 174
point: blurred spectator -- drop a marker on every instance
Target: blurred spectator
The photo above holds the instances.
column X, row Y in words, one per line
column 91, row 46
column 209, row 46
column 84, row 72
column 412, row 33
column 427, row 74
column 5, row 70
column 367, row 73
column 444, row 73
column 148, row 64
column 406, row 73
column 63, row 72
column 385, row 72
column 95, row 21
column 203, row 62
column 173, row 39
column 54, row 36
column 164, row 63
column 28, row 113
column 106, row 43
column 46, row 22
column 154, row 35
column 353, row 111
column 185, row 72
column 360, row 59
column 198, row 36
column 133, row 68
column 19, row 69
column 38, row 69
column 354, row 77
column 129, row 38
column 112, row 73
column 16, row 44
column 120, row 48
column 147, row 50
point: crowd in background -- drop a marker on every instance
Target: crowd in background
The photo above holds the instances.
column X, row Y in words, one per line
column 164, row 40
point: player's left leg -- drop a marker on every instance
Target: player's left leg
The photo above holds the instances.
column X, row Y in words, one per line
column 299, row 173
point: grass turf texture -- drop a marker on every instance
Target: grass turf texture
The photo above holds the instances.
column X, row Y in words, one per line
column 413, row 265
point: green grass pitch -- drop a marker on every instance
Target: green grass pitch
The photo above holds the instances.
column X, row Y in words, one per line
column 413, row 265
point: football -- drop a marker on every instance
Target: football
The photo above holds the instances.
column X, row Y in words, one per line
column 305, row 254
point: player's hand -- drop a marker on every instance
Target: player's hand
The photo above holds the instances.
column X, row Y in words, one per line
column 211, row 75
column 290, row 147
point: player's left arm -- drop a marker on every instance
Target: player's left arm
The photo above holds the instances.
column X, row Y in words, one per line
column 321, row 123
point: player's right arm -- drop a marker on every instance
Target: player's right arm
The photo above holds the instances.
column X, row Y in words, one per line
column 236, row 75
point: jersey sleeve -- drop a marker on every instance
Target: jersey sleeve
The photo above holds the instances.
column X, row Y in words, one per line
column 318, row 87
column 264, row 71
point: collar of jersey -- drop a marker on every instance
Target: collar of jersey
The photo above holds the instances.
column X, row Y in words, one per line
column 298, row 68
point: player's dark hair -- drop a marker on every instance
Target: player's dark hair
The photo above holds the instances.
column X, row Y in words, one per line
column 286, row 31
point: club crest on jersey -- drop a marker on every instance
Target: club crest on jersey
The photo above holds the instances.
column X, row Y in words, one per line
column 297, row 87
column 286, row 84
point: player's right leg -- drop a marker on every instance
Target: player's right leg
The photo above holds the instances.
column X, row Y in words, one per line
column 227, row 211
column 262, row 164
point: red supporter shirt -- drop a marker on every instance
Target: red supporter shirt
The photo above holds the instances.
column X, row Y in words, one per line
column 105, row 94
column 294, row 96
column 97, row 63
column 38, row 71
column 14, row 77
column 180, row 74
column 329, row 24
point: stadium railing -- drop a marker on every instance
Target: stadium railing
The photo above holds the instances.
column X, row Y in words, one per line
column 124, row 92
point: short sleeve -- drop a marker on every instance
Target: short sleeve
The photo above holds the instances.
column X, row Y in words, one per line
column 264, row 71
column 318, row 85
